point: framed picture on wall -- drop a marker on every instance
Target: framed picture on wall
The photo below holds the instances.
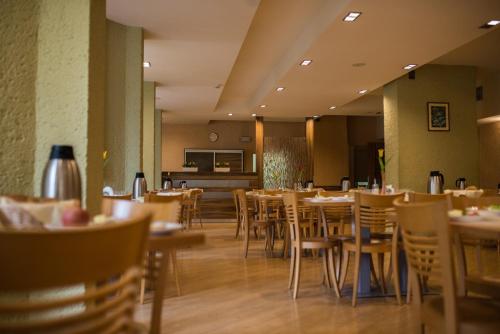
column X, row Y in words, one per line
column 438, row 116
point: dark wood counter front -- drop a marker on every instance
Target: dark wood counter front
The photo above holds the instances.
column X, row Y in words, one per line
column 217, row 199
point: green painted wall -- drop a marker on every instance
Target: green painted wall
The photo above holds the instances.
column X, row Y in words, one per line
column 70, row 89
column 148, row 129
column 123, row 105
column 18, row 61
column 414, row 151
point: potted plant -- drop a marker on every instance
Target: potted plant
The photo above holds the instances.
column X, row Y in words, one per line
column 189, row 166
column 222, row 167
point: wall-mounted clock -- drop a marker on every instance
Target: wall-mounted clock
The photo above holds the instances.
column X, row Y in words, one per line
column 213, row 136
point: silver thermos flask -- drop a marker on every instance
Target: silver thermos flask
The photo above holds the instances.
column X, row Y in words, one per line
column 435, row 183
column 140, row 186
column 61, row 177
column 345, row 183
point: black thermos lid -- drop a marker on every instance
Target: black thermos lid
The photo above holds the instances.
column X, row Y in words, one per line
column 62, row 152
column 139, row 175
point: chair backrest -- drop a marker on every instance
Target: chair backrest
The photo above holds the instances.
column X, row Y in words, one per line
column 103, row 261
column 243, row 207
column 155, row 198
column 195, row 196
column 462, row 202
column 414, row 197
column 292, row 216
column 236, row 204
column 373, row 211
column 426, row 237
column 159, row 211
column 124, row 196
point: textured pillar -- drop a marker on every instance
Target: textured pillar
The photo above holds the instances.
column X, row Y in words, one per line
column 310, row 148
column 259, row 149
column 18, row 53
column 70, row 89
column 413, row 150
column 158, row 127
column 148, row 129
column 123, row 126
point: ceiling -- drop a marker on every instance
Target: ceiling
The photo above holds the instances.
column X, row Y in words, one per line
column 252, row 48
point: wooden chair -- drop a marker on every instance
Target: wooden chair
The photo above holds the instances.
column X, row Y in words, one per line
column 92, row 259
column 192, row 207
column 249, row 222
column 238, row 217
column 161, row 208
column 426, row 238
column 373, row 214
column 298, row 243
column 124, row 196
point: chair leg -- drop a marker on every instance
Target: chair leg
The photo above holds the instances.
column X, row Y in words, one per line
column 408, row 288
column 238, row 227
column 343, row 270
column 143, row 289
column 395, row 273
column 173, row 258
column 333, row 276
column 246, row 237
column 326, row 272
column 478, row 258
column 292, row 268
column 357, row 262
column 298, row 255
column 381, row 272
column 199, row 217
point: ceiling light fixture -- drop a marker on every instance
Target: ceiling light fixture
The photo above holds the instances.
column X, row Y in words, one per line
column 351, row 16
column 409, row 66
column 306, row 62
column 493, row 22
column 332, row 107
column 263, row 105
column 363, row 91
column 315, row 116
column 146, row 64
column 280, row 89
column 253, row 115
column 230, row 114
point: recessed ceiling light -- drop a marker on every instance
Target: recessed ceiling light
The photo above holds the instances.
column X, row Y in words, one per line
column 263, row 105
column 315, row 116
column 363, row 91
column 409, row 66
column 253, row 115
column 230, row 114
column 493, row 22
column 306, row 62
column 332, row 107
column 146, row 64
column 351, row 16
column 280, row 89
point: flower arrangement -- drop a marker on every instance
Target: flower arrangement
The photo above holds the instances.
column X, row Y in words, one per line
column 189, row 164
column 105, row 157
column 381, row 161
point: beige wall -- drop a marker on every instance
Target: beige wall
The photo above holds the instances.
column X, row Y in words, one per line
column 123, row 105
column 177, row 137
column 331, row 151
column 362, row 130
column 18, row 61
column 414, row 151
column 148, row 130
column 70, row 89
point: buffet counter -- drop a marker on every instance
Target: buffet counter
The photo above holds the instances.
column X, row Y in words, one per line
column 217, row 199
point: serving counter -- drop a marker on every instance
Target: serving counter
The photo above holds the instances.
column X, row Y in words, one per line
column 217, row 199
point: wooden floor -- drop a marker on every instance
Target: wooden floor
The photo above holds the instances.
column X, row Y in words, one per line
column 224, row 293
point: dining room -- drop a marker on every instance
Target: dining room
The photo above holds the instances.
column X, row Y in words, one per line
column 249, row 166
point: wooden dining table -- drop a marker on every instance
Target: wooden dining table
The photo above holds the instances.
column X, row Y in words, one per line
column 164, row 244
